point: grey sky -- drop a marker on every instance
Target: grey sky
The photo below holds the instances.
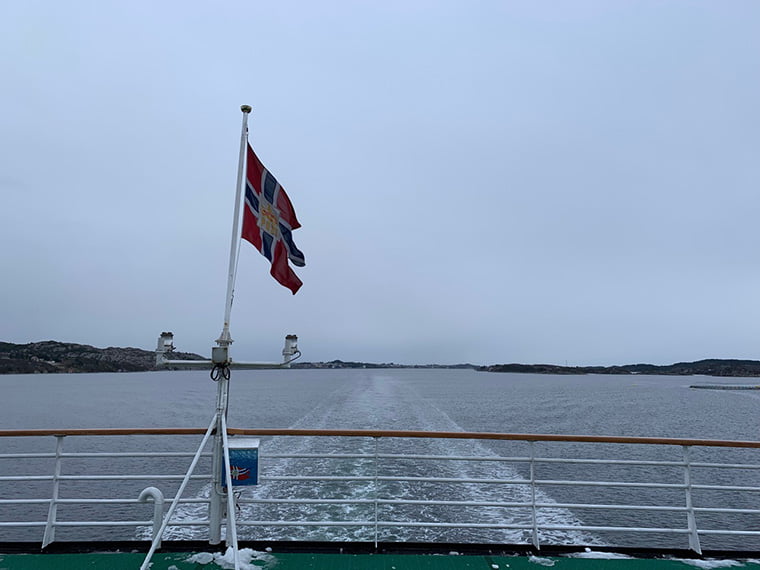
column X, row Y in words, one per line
column 477, row 181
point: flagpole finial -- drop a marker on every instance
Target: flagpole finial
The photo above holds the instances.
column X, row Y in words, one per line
column 245, row 108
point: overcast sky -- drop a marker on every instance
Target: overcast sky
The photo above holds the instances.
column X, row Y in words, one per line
column 486, row 182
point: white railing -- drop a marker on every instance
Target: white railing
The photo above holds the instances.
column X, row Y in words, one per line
column 690, row 488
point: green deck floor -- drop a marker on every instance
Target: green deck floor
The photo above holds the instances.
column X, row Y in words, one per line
column 293, row 561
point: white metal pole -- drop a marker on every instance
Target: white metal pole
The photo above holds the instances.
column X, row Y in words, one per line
column 178, row 495
column 225, row 339
column 231, row 528
column 221, row 364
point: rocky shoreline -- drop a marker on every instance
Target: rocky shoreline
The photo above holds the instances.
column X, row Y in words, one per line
column 50, row 356
column 708, row 367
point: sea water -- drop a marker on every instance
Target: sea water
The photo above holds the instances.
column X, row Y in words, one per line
column 409, row 399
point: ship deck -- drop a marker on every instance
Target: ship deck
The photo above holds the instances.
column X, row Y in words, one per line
column 332, row 561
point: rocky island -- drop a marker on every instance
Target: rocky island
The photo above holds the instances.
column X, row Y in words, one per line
column 51, row 356
column 708, row 367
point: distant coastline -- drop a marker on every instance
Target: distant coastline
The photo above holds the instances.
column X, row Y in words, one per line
column 50, row 357
column 341, row 364
column 708, row 367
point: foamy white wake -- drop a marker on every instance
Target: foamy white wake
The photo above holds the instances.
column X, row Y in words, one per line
column 377, row 401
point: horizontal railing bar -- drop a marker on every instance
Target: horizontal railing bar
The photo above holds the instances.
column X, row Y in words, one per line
column 27, row 456
column 626, row 462
column 102, row 523
column 616, row 529
column 100, row 477
column 197, row 522
column 388, row 434
column 386, row 524
column 159, row 454
column 405, row 524
column 528, row 459
column 454, row 503
column 135, row 501
column 100, row 431
column 303, row 523
column 384, row 478
column 510, row 459
column 722, row 510
column 320, row 456
column 611, row 484
column 544, row 527
column 314, row 478
column 612, row 507
column 383, row 524
column 731, row 532
column 725, row 465
column 496, row 436
column 381, row 502
column 455, row 457
column 494, row 458
column 645, row 463
column 105, row 455
column 725, row 488
column 307, row 501
column 124, row 501
column 73, row 524
column 398, row 502
column 481, row 504
column 128, row 501
column 129, row 477
column 455, row 480
column 26, row 478
column 24, row 501
column 527, row 505
column 539, row 482
column 391, row 524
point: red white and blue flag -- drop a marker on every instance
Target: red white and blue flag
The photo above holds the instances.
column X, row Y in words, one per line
column 268, row 222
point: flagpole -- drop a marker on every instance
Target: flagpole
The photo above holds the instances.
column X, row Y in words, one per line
column 221, row 359
column 225, row 339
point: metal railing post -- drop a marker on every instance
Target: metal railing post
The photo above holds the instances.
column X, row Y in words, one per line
column 377, row 439
column 534, row 515
column 690, row 517
column 158, row 509
column 53, row 510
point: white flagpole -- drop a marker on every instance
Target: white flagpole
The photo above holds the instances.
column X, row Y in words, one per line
column 225, row 339
column 220, row 356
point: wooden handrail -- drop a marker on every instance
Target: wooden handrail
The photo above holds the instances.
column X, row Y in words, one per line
column 388, row 433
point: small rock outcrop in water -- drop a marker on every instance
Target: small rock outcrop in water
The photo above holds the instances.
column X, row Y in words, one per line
column 709, row 367
column 52, row 356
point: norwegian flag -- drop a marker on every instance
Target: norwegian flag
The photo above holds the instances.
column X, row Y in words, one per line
column 269, row 221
